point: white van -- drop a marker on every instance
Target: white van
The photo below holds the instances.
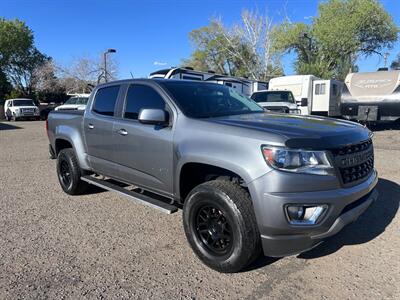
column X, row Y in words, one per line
column 16, row 109
column 313, row 95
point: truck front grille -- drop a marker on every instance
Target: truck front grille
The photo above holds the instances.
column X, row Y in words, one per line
column 355, row 162
column 277, row 109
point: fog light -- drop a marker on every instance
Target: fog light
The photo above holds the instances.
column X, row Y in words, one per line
column 305, row 214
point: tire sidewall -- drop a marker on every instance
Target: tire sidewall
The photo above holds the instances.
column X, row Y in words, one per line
column 67, row 156
column 197, row 198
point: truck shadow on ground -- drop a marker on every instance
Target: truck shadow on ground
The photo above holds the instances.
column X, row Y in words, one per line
column 368, row 226
column 5, row 126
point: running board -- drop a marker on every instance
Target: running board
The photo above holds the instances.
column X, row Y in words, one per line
column 143, row 199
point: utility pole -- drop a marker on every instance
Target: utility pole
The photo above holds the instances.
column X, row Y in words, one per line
column 105, row 62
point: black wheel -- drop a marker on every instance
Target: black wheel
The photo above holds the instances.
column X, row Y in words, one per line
column 8, row 118
column 220, row 225
column 69, row 173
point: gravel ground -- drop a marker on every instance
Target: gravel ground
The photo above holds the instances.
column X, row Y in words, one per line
column 102, row 245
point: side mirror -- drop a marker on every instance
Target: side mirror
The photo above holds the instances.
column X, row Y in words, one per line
column 304, row 102
column 153, row 116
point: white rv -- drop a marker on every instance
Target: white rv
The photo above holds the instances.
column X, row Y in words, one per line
column 243, row 85
column 372, row 96
column 313, row 95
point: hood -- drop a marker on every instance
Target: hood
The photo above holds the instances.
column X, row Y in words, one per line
column 278, row 104
column 71, row 106
column 306, row 132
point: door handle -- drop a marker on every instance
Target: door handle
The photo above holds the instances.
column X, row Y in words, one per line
column 91, row 126
column 122, row 132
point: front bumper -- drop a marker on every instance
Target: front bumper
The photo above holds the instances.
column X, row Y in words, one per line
column 280, row 238
column 27, row 115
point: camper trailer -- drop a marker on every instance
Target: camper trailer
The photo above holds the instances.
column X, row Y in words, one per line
column 313, row 95
column 242, row 85
column 372, row 96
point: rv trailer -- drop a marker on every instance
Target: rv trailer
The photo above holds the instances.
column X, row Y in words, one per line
column 243, row 85
column 372, row 96
column 313, row 95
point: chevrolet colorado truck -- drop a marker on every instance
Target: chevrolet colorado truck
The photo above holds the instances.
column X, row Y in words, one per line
column 247, row 180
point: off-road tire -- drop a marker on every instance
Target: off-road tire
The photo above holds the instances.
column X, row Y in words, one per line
column 235, row 205
column 67, row 161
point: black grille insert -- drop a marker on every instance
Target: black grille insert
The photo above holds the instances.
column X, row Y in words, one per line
column 277, row 109
column 355, row 162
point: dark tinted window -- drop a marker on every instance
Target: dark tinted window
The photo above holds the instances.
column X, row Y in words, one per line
column 141, row 96
column 104, row 102
column 191, row 77
column 278, row 96
column 206, row 100
column 335, row 91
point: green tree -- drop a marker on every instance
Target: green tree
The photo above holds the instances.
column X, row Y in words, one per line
column 396, row 63
column 18, row 55
column 210, row 50
column 342, row 31
column 5, row 86
column 243, row 50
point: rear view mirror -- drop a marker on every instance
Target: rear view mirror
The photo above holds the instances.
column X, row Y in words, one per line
column 304, row 102
column 153, row 116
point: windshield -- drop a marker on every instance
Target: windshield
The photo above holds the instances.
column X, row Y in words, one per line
column 207, row 100
column 23, row 103
column 270, row 96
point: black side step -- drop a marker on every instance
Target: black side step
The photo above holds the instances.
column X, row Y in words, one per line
column 146, row 200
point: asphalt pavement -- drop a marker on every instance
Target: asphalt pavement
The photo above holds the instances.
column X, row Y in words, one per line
column 104, row 246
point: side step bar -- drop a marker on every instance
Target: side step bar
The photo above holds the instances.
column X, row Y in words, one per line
column 143, row 199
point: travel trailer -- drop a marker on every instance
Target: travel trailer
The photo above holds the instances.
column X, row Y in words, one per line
column 372, row 96
column 313, row 95
column 243, row 85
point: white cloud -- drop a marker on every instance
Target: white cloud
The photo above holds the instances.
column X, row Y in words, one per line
column 158, row 63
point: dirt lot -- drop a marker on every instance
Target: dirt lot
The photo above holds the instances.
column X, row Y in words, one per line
column 102, row 245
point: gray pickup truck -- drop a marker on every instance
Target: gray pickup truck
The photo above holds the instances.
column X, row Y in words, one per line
column 247, row 180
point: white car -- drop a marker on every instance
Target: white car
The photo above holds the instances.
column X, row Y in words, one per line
column 276, row 101
column 16, row 109
column 77, row 102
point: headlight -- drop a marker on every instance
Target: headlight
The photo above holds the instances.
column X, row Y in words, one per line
column 298, row 161
column 17, row 110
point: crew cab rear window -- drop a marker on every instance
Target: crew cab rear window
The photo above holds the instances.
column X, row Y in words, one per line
column 141, row 96
column 105, row 99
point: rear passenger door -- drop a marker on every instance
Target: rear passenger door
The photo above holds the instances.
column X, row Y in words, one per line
column 144, row 152
column 98, row 128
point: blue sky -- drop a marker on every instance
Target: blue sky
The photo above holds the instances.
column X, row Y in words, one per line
column 148, row 31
